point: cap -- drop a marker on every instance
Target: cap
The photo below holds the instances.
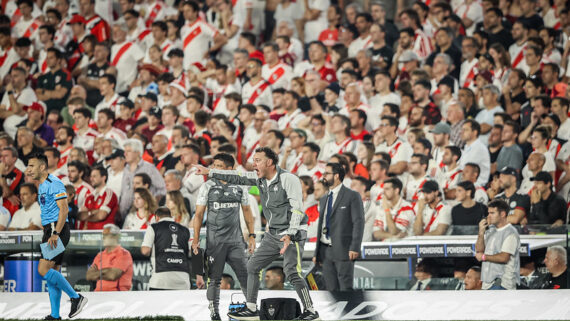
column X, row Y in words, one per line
column 334, row 87
column 509, row 171
column 151, row 96
column 37, row 106
column 441, row 128
column 127, row 103
column 542, row 177
column 408, row 55
column 154, row 70
column 116, row 153
column 111, row 229
column 77, row 19
column 488, row 57
column 430, row 186
column 300, row 132
column 447, row 81
column 487, row 75
column 156, row 112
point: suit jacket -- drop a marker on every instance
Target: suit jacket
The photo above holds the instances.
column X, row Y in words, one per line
column 346, row 225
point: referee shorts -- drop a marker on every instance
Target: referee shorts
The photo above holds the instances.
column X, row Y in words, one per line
column 64, row 236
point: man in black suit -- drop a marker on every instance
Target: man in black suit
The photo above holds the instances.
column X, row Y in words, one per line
column 340, row 230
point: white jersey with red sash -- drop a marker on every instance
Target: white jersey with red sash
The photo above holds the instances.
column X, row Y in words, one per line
column 517, row 54
column 331, row 148
column 86, row 140
column 63, row 34
column 42, row 62
column 413, row 188
column 279, row 76
column 26, row 28
column 291, row 120
column 451, row 178
column 125, row 57
column 64, row 155
column 316, row 173
column 468, row 72
column 403, row 215
column 82, row 191
column 196, row 38
column 294, row 161
column 135, row 221
column 142, row 37
column 218, row 96
column 111, row 104
column 376, row 192
column 258, row 94
column 154, row 13
column 399, row 150
column 422, row 44
column 432, row 217
column 359, row 44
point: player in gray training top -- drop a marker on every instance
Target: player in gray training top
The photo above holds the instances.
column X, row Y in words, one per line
column 286, row 230
column 224, row 239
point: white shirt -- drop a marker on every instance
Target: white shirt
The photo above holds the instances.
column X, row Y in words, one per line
column 564, row 130
column 441, row 214
column 486, row 116
column 196, row 39
column 377, row 103
column 477, row 153
column 4, row 216
column 114, row 182
column 468, row 72
column 358, row 44
column 314, row 28
column 26, row 98
column 473, row 11
column 258, row 94
column 334, row 192
column 291, row 120
column 23, row 218
column 134, row 222
column 111, row 104
column 331, row 148
column 127, row 64
column 279, row 76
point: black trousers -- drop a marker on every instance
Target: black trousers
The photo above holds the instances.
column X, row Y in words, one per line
column 338, row 274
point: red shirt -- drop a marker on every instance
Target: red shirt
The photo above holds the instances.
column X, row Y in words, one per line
column 107, row 201
column 329, row 37
column 118, row 258
column 360, row 136
column 99, row 28
column 328, row 73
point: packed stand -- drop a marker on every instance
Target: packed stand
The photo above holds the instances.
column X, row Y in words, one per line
column 432, row 114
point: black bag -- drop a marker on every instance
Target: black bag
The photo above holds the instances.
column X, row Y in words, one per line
column 279, row 309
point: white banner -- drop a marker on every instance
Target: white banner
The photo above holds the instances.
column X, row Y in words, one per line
column 369, row 305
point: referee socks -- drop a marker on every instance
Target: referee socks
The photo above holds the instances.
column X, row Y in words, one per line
column 58, row 280
column 54, row 298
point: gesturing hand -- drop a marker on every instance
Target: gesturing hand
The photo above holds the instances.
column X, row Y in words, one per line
column 286, row 241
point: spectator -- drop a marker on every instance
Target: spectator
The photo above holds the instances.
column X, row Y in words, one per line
column 135, row 164
column 433, row 217
column 166, row 242
column 519, row 203
column 510, row 155
column 531, row 278
column 180, row 213
column 124, row 57
column 546, row 207
column 475, row 151
column 362, row 186
column 398, row 217
column 11, row 179
column 555, row 261
column 227, row 282
column 497, row 247
column 143, row 213
column 274, row 278
column 28, row 217
column 112, row 268
column 468, row 211
column 473, row 279
column 26, row 144
column 54, row 86
column 17, row 96
column 101, row 205
column 399, row 150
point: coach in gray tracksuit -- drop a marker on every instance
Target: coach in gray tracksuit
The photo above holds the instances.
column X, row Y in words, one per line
column 286, row 231
column 224, row 239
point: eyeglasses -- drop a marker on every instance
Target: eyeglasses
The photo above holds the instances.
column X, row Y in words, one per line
column 329, row 173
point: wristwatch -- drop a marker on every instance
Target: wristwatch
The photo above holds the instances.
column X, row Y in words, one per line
column 55, row 233
column 10, row 92
column 252, row 235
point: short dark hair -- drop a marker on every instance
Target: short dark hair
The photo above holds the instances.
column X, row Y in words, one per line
column 163, row 211
column 227, row 159
column 468, row 186
column 500, row 205
column 53, row 150
column 251, row 108
column 277, row 270
column 102, row 171
column 160, row 24
column 145, row 178
column 476, row 167
column 424, row 159
column 454, row 150
column 83, row 111
column 195, row 6
column 31, row 186
column 395, row 109
column 474, row 125
column 313, row 147
column 41, row 157
column 563, row 101
column 346, row 122
column 396, row 183
column 337, row 168
column 250, row 37
column 269, row 153
column 514, row 125
column 279, row 135
column 108, row 112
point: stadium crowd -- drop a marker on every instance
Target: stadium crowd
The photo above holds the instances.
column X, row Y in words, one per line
column 432, row 114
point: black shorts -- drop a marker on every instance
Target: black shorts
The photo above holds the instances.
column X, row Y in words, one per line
column 64, row 236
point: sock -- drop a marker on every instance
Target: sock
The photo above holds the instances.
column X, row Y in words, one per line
column 213, row 308
column 251, row 306
column 57, row 278
column 312, row 309
column 54, row 298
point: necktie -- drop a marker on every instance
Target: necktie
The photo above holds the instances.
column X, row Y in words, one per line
column 419, row 287
column 329, row 212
